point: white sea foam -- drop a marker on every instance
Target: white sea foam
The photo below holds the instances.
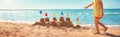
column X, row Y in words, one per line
column 110, row 26
column 113, row 13
column 104, row 13
column 27, row 22
column 80, row 13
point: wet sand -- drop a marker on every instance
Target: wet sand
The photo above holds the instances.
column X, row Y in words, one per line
column 9, row 29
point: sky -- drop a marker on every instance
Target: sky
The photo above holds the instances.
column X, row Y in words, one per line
column 54, row 4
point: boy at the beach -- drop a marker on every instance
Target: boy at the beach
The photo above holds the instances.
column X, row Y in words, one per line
column 98, row 14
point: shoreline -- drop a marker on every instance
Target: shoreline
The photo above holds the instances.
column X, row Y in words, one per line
column 88, row 25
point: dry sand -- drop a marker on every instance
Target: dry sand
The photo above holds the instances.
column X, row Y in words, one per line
column 8, row 29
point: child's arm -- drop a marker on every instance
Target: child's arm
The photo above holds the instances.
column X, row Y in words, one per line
column 89, row 5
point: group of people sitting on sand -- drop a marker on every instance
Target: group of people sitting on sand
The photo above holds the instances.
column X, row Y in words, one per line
column 61, row 23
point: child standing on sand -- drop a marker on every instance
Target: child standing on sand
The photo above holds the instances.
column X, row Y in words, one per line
column 98, row 14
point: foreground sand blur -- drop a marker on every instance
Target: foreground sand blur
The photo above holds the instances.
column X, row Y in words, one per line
column 8, row 29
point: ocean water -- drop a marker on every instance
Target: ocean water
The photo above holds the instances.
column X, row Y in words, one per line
column 111, row 16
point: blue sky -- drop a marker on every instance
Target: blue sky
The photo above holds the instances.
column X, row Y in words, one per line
column 54, row 4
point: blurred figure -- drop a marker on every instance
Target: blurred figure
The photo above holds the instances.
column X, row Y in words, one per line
column 42, row 22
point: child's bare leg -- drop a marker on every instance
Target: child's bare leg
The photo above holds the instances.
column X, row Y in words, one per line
column 96, row 25
column 105, row 28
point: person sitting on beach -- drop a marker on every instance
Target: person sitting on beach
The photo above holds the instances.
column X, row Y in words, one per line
column 62, row 23
column 54, row 22
column 69, row 23
column 40, row 23
column 47, row 21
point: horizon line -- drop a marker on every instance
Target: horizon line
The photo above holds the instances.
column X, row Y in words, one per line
column 35, row 9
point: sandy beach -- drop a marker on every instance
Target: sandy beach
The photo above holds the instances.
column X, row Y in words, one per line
column 9, row 29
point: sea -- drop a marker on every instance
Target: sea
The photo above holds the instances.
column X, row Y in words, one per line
column 111, row 16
